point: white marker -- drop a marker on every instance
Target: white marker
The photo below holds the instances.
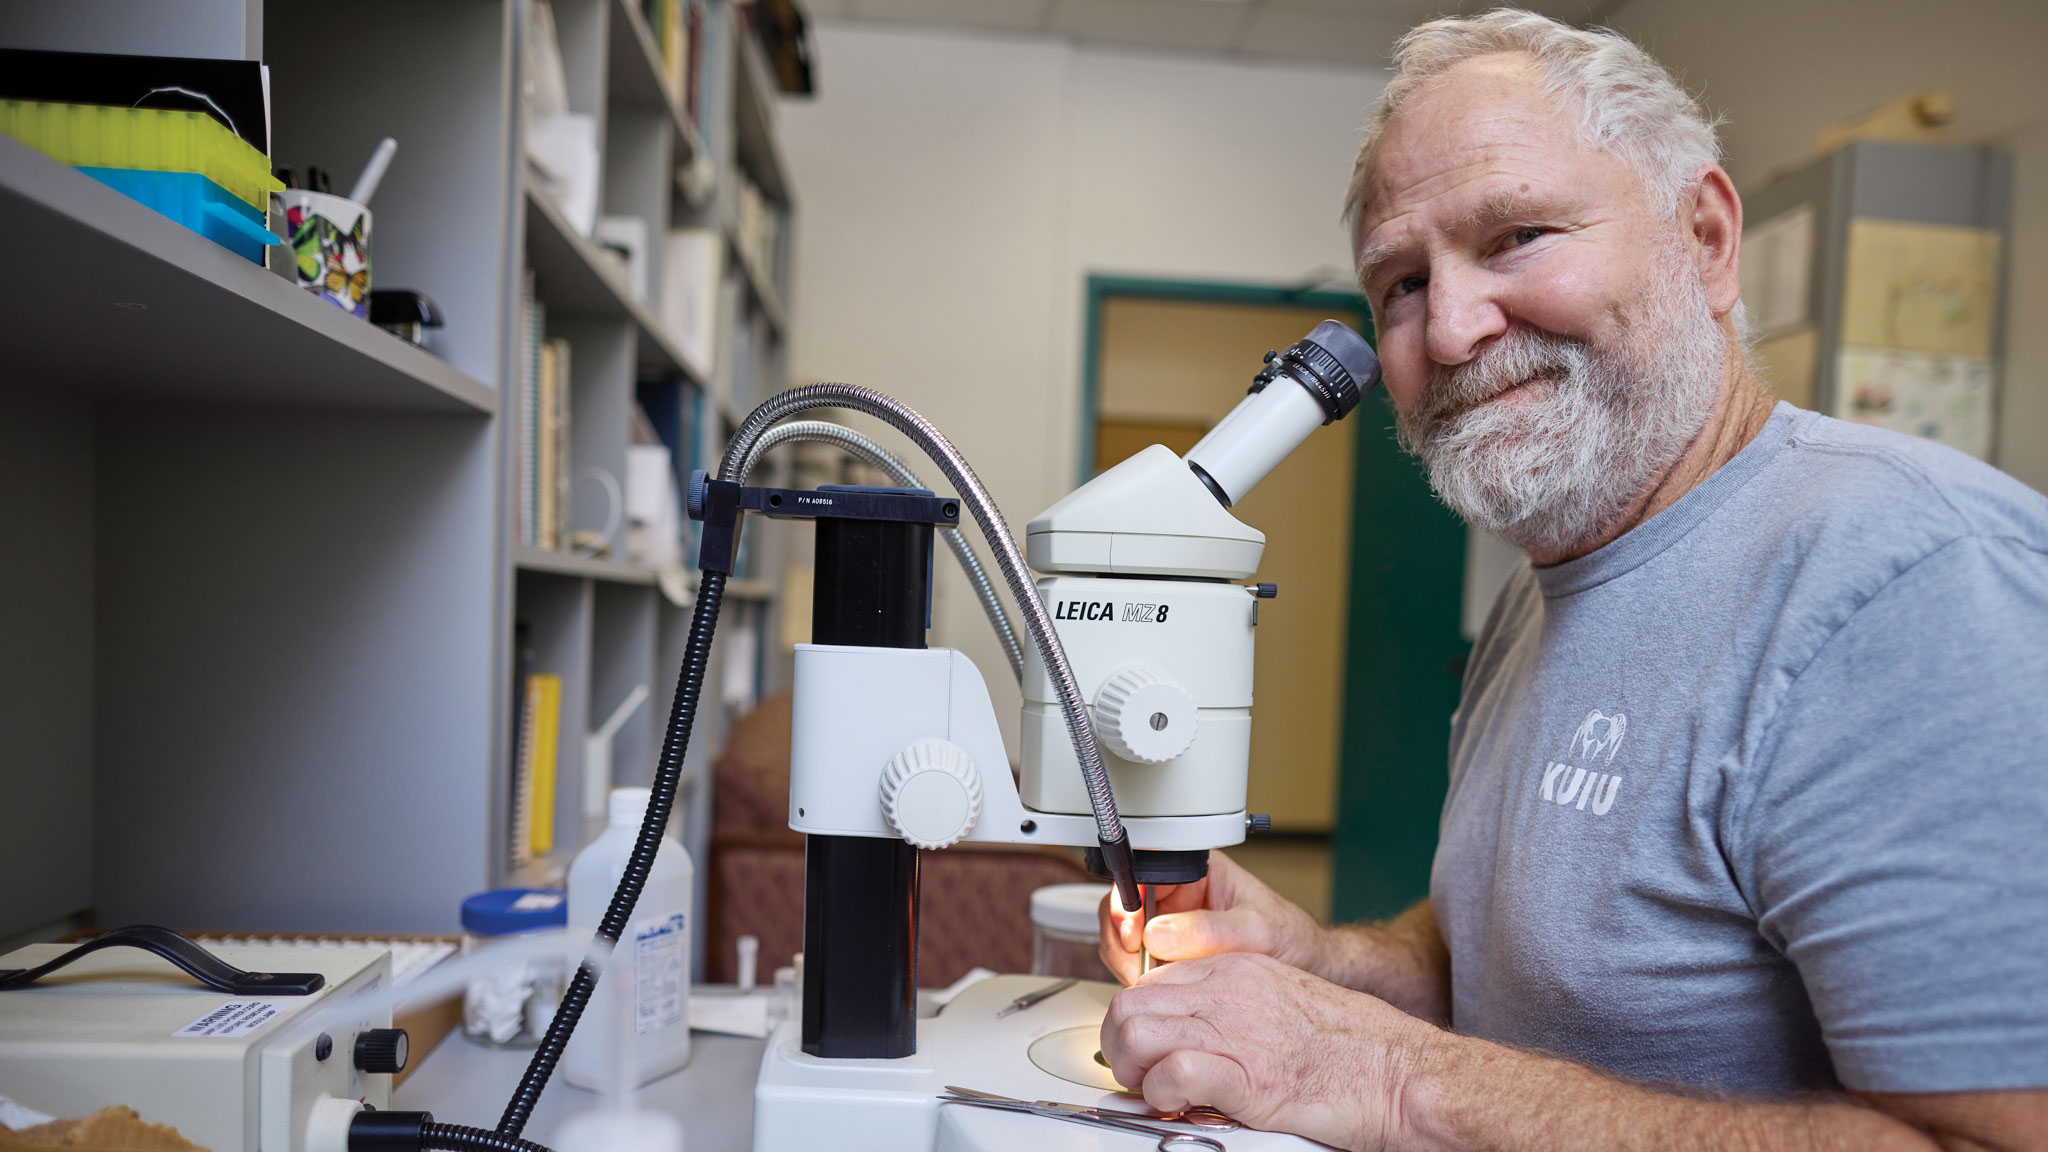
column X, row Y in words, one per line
column 373, row 172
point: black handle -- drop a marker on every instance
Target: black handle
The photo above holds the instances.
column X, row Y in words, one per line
column 203, row 966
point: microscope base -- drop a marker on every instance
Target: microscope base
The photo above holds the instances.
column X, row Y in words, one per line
column 802, row 1102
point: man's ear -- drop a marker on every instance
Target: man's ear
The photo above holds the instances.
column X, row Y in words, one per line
column 1716, row 235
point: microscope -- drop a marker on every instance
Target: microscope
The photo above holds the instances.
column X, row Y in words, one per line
column 1136, row 739
column 1135, row 736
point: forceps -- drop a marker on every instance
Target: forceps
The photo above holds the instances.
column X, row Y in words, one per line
column 1170, row 1140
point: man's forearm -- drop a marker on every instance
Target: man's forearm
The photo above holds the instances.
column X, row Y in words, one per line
column 1461, row 1093
column 1402, row 961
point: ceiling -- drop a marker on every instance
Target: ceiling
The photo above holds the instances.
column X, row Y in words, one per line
column 1351, row 32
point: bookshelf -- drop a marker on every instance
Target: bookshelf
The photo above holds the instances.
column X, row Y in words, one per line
column 106, row 295
column 274, row 631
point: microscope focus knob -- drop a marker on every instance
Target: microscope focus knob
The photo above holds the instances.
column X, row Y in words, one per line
column 931, row 793
column 1143, row 716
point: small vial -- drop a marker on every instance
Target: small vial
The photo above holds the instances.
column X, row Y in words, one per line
column 750, row 958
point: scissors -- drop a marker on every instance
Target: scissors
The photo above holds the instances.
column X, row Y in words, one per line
column 1170, row 1140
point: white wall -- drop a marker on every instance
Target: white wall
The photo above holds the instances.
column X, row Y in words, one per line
column 1782, row 72
column 955, row 191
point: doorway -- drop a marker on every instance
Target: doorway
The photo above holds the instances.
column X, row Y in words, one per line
column 1358, row 661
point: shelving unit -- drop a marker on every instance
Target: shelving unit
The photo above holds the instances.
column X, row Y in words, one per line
column 268, row 678
column 568, row 564
column 107, row 295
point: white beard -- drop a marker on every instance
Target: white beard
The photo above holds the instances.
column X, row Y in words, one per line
column 1544, row 473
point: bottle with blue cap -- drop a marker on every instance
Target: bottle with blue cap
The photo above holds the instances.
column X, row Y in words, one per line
column 511, row 1005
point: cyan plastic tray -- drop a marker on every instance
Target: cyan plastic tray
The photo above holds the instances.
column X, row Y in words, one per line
column 198, row 204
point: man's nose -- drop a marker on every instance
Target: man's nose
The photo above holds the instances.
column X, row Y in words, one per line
column 1463, row 314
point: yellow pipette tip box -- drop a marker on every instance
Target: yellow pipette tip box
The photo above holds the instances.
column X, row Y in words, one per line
column 143, row 139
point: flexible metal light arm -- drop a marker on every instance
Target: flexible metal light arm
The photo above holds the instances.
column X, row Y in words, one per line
column 869, row 452
column 1109, row 827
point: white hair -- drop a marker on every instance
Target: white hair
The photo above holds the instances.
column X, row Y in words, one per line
column 1627, row 104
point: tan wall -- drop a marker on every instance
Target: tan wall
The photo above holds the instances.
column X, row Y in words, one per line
column 1780, row 72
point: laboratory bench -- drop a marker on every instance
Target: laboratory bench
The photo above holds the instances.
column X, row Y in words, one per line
column 461, row 1082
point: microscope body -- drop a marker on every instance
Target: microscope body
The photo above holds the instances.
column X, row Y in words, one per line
column 1140, row 564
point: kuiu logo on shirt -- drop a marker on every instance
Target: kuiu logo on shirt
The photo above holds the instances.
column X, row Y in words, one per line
column 1578, row 782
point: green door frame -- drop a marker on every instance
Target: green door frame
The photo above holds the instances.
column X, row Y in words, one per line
column 1404, row 654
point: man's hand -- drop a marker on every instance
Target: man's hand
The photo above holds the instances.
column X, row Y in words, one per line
column 1281, row 1050
column 1402, row 961
column 1268, row 1044
column 1227, row 911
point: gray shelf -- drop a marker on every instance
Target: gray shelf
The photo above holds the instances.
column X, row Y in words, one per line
column 528, row 559
column 574, row 277
column 106, row 295
column 636, row 78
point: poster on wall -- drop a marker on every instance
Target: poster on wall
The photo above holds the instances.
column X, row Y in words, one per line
column 1943, row 397
column 1924, row 287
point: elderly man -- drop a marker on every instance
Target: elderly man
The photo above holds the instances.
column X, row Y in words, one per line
column 1744, row 841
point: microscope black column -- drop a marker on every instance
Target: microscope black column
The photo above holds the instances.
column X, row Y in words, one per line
column 860, row 893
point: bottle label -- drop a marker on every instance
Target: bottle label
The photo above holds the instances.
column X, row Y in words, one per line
column 661, row 973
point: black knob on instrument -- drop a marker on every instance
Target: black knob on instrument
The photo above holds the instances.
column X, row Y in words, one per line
column 381, row 1050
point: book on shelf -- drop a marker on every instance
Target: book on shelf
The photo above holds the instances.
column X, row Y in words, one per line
column 544, row 697
column 532, row 333
column 518, row 851
column 757, row 229
column 541, row 443
column 737, row 374
column 693, row 58
column 669, row 421
column 692, row 267
column 519, row 841
column 551, row 466
column 534, row 769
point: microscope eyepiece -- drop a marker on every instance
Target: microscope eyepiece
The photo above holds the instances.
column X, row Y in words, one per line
column 1334, row 363
column 1334, row 367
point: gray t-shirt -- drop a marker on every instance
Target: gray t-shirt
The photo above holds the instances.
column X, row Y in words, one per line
column 1756, row 796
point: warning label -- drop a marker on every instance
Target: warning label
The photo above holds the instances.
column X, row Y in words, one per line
column 661, row 977
column 232, row 1019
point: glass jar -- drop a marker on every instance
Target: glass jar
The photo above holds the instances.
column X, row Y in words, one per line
column 1065, row 928
column 511, row 1005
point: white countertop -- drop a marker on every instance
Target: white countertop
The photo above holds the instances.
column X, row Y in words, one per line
column 461, row 1082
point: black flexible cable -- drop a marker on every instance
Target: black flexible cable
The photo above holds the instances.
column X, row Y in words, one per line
column 667, row 773
column 459, row 1138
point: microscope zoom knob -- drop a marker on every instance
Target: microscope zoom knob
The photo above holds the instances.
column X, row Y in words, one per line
column 931, row 793
column 1143, row 716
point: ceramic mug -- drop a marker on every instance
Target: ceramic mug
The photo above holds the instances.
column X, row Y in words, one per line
column 331, row 237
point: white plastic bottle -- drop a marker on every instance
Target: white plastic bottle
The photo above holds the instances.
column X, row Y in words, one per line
column 650, row 966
